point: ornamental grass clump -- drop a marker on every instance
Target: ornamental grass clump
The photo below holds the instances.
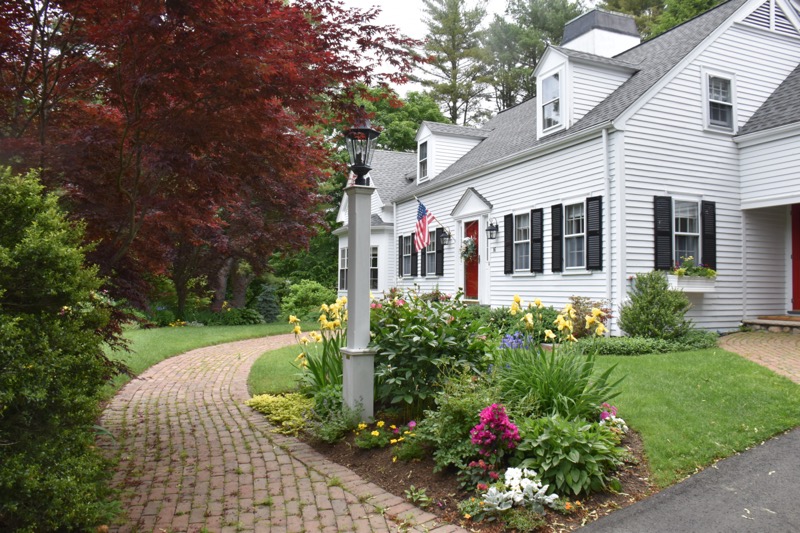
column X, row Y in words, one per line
column 536, row 382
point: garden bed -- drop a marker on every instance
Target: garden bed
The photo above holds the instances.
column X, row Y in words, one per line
column 442, row 488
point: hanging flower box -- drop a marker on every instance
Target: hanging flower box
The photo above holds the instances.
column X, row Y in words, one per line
column 696, row 284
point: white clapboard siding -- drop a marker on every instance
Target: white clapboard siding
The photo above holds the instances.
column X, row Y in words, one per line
column 669, row 153
column 767, row 261
column 448, row 149
column 590, row 85
column 771, row 173
column 564, row 176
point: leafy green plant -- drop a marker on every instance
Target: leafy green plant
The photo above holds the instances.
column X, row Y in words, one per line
column 694, row 340
column 446, row 429
column 54, row 322
column 410, row 449
column 377, row 437
column 267, row 304
column 654, row 310
column 689, row 268
column 570, row 456
column 330, row 424
column 418, row 340
column 537, row 382
column 320, row 362
column 305, row 298
column 524, row 520
column 418, row 497
column 288, row 412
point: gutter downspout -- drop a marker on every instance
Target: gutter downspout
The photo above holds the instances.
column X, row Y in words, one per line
column 607, row 238
column 622, row 267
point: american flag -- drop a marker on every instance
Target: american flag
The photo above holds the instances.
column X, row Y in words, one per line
column 422, row 238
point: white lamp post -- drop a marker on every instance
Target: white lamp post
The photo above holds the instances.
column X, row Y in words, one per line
column 359, row 361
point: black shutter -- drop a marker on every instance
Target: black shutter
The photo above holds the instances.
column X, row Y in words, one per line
column 594, row 233
column 557, row 223
column 508, row 243
column 400, row 256
column 439, row 252
column 708, row 212
column 424, row 263
column 662, row 207
column 537, row 240
column 414, row 255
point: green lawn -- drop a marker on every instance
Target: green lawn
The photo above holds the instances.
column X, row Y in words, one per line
column 273, row 372
column 151, row 346
column 692, row 408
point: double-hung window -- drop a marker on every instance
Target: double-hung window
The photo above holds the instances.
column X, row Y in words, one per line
column 423, row 160
column 687, row 231
column 343, row 269
column 720, row 103
column 522, row 242
column 407, row 244
column 551, row 102
column 373, row 269
column 574, row 236
column 430, row 255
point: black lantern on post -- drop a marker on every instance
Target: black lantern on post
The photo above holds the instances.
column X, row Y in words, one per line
column 360, row 140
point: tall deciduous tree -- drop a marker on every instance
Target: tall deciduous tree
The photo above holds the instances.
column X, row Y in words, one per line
column 399, row 118
column 645, row 12
column 193, row 120
column 507, row 72
column 453, row 45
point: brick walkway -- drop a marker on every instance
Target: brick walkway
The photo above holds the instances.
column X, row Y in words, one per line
column 780, row 352
column 193, row 458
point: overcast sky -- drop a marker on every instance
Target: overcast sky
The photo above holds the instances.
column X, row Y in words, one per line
column 407, row 14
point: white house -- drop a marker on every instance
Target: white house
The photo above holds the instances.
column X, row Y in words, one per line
column 631, row 157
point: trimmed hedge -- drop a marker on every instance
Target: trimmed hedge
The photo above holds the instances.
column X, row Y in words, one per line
column 694, row 340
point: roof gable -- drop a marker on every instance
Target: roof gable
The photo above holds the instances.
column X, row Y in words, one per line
column 781, row 108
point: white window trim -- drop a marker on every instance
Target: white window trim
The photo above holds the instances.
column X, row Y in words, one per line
column 426, row 177
column 344, row 260
column 706, row 75
column 697, row 201
column 374, row 253
column 527, row 269
column 403, row 273
column 561, row 70
column 430, row 250
column 581, row 268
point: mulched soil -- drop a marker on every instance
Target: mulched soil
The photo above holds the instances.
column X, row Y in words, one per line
column 442, row 488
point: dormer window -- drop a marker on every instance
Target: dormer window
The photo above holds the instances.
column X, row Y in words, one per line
column 423, row 160
column 551, row 102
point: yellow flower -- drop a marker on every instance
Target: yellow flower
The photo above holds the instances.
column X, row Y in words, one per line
column 304, row 340
column 342, row 300
column 597, row 312
column 375, row 433
column 538, row 303
column 394, row 459
column 401, row 439
column 316, row 336
column 303, row 363
column 549, row 335
column 362, row 425
column 329, row 325
column 392, row 427
column 299, row 357
column 572, row 338
column 293, row 319
column 297, row 330
column 590, row 320
column 380, row 424
column 467, row 516
column 393, row 441
column 336, row 323
column 600, row 329
column 323, row 308
column 322, row 318
column 517, row 299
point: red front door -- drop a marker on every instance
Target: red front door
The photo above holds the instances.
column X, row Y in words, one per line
column 796, row 256
column 471, row 265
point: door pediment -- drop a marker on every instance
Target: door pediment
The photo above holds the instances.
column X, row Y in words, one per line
column 472, row 203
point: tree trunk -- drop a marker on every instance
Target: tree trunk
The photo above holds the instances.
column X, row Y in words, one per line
column 240, row 281
column 221, row 285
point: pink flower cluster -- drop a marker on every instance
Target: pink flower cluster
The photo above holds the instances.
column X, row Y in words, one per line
column 608, row 411
column 495, row 432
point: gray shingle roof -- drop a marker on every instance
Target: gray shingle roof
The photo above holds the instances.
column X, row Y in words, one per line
column 450, row 129
column 389, row 171
column 780, row 109
column 595, row 59
column 376, row 220
column 514, row 130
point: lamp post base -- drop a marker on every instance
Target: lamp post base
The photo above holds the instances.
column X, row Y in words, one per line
column 358, row 369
